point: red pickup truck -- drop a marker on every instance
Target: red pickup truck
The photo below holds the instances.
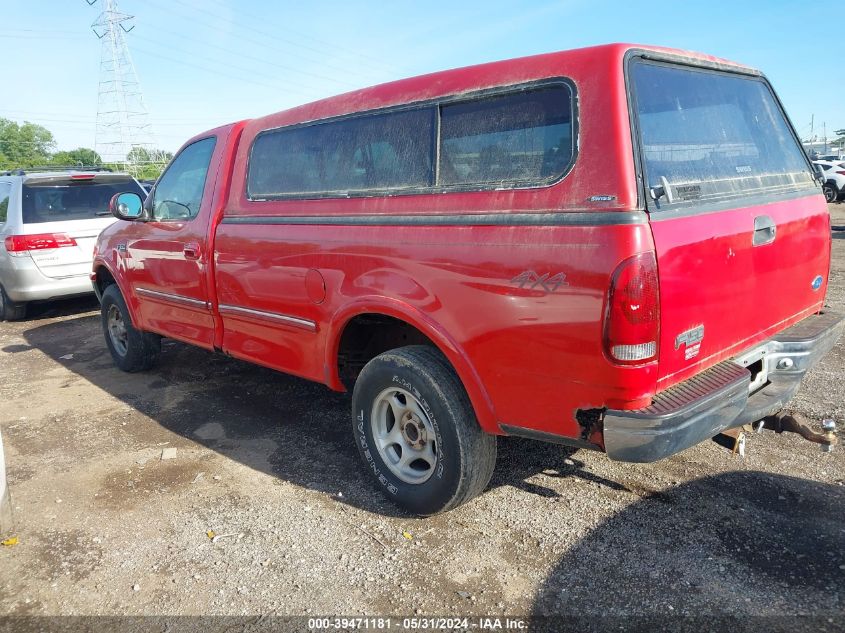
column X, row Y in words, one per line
column 621, row 248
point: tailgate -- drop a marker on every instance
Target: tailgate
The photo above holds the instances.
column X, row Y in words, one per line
column 741, row 232
column 719, row 294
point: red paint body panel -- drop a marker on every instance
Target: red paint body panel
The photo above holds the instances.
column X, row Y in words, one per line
column 458, row 281
column 527, row 357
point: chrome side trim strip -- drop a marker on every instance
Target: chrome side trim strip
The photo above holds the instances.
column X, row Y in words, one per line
column 166, row 296
column 305, row 324
column 597, row 218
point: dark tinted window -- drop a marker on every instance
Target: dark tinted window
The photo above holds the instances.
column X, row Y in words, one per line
column 711, row 135
column 509, row 139
column 377, row 152
column 59, row 200
column 5, row 191
column 178, row 193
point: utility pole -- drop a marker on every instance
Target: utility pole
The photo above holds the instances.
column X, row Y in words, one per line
column 122, row 118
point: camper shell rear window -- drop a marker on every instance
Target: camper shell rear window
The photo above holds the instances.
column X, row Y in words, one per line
column 709, row 136
column 522, row 136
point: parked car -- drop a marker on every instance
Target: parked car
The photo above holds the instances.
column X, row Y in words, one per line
column 49, row 221
column 594, row 248
column 147, row 184
column 834, row 174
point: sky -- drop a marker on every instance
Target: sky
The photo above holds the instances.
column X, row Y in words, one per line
column 202, row 63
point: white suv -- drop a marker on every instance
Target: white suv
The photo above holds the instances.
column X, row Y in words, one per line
column 834, row 175
column 49, row 222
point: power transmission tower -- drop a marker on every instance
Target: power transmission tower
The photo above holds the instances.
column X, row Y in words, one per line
column 123, row 132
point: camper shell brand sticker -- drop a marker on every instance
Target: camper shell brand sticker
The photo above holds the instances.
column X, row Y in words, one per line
column 602, row 198
column 817, row 282
column 688, row 192
column 691, row 340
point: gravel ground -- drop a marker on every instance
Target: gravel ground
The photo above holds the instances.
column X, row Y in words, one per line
column 266, row 463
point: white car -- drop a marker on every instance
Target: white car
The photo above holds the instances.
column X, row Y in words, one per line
column 834, row 175
column 49, row 221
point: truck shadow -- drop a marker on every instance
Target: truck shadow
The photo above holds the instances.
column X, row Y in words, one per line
column 731, row 546
column 291, row 428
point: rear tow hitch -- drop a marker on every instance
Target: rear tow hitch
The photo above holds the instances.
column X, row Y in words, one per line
column 796, row 423
column 734, row 439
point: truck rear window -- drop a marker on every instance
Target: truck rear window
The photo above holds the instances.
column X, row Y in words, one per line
column 60, row 200
column 514, row 139
column 709, row 135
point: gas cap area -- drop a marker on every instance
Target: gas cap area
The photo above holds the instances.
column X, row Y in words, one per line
column 315, row 285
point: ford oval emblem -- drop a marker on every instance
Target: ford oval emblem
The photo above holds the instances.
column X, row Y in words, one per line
column 817, row 282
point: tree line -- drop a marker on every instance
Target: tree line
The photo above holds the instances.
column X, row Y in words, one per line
column 30, row 145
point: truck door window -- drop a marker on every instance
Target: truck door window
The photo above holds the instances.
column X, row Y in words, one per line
column 178, row 193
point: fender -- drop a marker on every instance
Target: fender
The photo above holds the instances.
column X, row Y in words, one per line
column 130, row 298
column 385, row 306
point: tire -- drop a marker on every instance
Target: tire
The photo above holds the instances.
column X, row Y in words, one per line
column 9, row 310
column 830, row 193
column 132, row 350
column 439, row 458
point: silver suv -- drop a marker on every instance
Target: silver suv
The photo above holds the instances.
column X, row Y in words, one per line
column 49, row 222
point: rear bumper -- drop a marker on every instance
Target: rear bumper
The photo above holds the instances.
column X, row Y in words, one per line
column 718, row 399
column 24, row 282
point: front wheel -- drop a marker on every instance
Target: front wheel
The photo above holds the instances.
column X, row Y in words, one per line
column 830, row 193
column 132, row 350
column 417, row 433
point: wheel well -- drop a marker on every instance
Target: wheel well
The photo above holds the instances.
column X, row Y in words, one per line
column 104, row 279
column 368, row 335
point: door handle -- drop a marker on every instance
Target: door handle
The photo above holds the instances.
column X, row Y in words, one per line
column 765, row 230
column 191, row 250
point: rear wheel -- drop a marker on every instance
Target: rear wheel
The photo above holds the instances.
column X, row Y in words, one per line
column 131, row 349
column 417, row 433
column 10, row 310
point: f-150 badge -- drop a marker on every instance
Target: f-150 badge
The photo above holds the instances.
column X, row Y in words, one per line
column 691, row 340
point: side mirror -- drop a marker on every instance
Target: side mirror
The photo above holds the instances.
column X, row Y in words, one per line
column 127, row 206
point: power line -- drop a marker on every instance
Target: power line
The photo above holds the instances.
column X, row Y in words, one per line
column 89, row 118
column 253, row 72
column 324, row 44
column 265, row 47
column 191, row 14
column 213, row 71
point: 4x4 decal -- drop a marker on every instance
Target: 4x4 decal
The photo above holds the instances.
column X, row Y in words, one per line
column 530, row 280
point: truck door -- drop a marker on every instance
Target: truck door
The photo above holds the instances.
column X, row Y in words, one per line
column 170, row 255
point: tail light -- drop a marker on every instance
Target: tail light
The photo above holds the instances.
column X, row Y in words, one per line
column 23, row 244
column 632, row 317
column 841, row 173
